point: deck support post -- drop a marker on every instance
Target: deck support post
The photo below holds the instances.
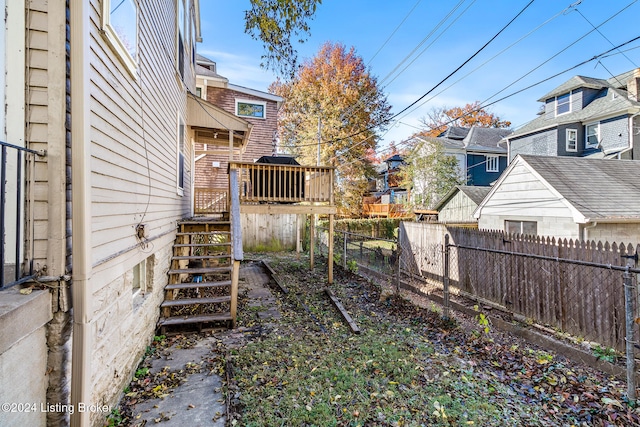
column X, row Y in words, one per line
column 312, row 239
column 330, row 256
column 298, row 236
column 233, row 306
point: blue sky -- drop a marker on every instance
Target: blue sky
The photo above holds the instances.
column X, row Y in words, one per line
column 411, row 45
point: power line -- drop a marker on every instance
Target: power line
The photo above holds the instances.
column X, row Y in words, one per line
column 436, row 86
column 562, row 12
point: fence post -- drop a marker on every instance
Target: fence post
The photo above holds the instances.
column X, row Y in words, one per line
column 445, row 276
column 629, row 307
column 344, row 254
column 399, row 251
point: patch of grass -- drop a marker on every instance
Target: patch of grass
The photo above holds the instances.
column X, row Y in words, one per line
column 381, row 377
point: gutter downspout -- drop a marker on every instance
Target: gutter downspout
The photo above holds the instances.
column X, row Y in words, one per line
column 81, row 372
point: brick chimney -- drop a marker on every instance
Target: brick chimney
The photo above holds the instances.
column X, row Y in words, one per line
column 633, row 85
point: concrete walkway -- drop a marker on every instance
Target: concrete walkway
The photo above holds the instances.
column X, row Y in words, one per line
column 198, row 401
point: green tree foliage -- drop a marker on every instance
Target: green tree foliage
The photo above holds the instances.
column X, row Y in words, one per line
column 275, row 22
column 429, row 173
column 335, row 93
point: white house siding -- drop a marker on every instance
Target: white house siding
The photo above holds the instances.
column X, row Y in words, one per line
column 134, row 137
column 459, row 209
column 522, row 197
column 540, row 144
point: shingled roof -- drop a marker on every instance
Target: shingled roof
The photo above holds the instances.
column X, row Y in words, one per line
column 599, row 189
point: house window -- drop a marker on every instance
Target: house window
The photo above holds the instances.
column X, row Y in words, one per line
column 493, row 164
column 142, row 282
column 139, row 284
column 572, row 140
column 592, row 135
column 563, row 104
column 120, row 28
column 521, row 227
column 180, row 157
column 199, row 92
column 180, row 40
column 251, row 109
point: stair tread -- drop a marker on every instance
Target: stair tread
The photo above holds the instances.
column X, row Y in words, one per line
column 193, row 285
column 204, row 222
column 194, row 257
column 203, row 232
column 193, row 301
column 201, row 270
column 200, row 245
column 183, row 320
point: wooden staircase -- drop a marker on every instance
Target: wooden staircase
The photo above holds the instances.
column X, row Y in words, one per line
column 201, row 293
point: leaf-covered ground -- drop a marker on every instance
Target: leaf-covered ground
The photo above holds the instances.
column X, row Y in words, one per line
column 408, row 367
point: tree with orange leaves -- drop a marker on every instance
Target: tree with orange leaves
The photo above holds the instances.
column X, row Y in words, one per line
column 334, row 95
column 439, row 119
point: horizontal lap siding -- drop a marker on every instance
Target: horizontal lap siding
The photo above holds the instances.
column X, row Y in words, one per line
column 261, row 138
column 134, row 127
column 37, row 135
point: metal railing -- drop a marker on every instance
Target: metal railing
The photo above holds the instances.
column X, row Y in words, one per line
column 16, row 251
column 273, row 183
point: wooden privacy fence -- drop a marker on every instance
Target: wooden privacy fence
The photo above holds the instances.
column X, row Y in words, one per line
column 577, row 287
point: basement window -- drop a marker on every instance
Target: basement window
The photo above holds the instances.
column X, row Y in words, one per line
column 142, row 282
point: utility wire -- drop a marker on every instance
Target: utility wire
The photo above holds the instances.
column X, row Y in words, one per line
column 484, row 106
column 436, row 86
column 394, row 32
column 562, row 12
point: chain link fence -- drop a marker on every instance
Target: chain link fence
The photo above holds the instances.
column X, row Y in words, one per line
column 355, row 251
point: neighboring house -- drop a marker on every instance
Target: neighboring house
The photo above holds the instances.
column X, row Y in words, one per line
column 458, row 206
column 101, row 114
column 256, row 108
column 386, row 197
column 585, row 117
column 566, row 197
column 481, row 155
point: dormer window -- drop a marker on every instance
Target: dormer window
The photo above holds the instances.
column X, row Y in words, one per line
column 563, row 104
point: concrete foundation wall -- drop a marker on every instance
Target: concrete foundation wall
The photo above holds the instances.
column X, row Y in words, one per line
column 23, row 357
column 124, row 324
column 618, row 233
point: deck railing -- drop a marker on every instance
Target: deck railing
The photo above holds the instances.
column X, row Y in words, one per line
column 389, row 210
column 210, row 201
column 272, row 183
column 16, row 251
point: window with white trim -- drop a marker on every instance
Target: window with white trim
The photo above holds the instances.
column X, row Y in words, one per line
column 572, row 140
column 521, row 227
column 563, row 104
column 180, row 38
column 492, row 163
column 139, row 283
column 592, row 135
column 120, row 28
column 250, row 108
column 180, row 175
